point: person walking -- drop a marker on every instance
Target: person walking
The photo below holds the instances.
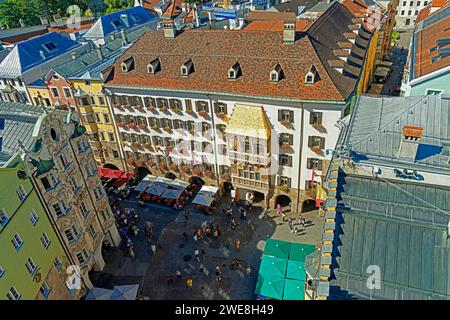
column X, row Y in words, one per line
column 195, row 238
column 197, row 255
column 302, row 220
column 219, row 232
column 204, row 254
column 185, row 236
column 189, row 284
column 283, row 216
column 238, row 245
column 265, row 213
column 178, row 274
column 153, row 249
column 169, row 279
column 248, row 271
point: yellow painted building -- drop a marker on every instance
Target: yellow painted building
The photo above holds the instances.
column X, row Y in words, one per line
column 39, row 94
column 369, row 64
column 98, row 120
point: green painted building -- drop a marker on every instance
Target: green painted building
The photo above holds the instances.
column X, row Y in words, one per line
column 32, row 260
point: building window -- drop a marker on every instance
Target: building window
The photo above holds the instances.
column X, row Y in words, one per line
column 309, row 184
column 67, row 93
column 72, row 234
column 404, row 3
column 33, row 217
column 45, row 240
column 315, row 118
column 48, row 182
column 17, row 241
column 2, row 271
column 106, row 117
column 220, row 108
column 92, row 231
column 21, row 193
column 82, row 257
column 31, row 266
column 286, row 139
column 111, row 137
column 202, row 106
column 57, row 264
column 60, row 208
column 45, row 289
column 286, row 116
column 285, row 160
column 402, row 13
column 3, row 217
column 84, row 209
column 409, row 12
column 284, row 181
column 101, row 101
column 313, row 163
column 74, row 184
column 434, row 92
column 316, row 142
column 55, row 92
column 13, row 294
column 188, row 104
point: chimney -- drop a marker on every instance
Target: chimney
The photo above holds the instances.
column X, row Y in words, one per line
column 99, row 52
column 289, row 32
column 124, row 17
column 123, row 35
column 196, row 17
column 44, row 20
column 74, row 55
column 169, row 29
column 410, row 143
column 113, row 36
column 42, row 54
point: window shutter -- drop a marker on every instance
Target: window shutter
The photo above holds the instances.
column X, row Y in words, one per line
column 319, row 165
column 310, row 141
column 291, row 116
column 311, row 118
column 291, row 139
column 320, row 117
column 308, row 163
column 322, row 143
column 289, row 182
column 280, row 115
column 290, row 161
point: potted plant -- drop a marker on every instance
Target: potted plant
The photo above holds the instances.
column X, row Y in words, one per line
column 132, row 125
column 163, row 108
column 122, row 124
column 151, row 109
column 138, row 108
column 177, row 110
column 202, row 113
column 317, row 126
column 285, row 122
column 168, row 129
column 142, row 126
column 283, row 188
column 316, row 149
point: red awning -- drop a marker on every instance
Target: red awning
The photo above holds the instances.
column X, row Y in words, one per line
column 114, row 174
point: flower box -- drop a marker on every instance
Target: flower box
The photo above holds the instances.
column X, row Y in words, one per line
column 132, row 126
column 283, row 188
column 177, row 110
column 142, row 126
column 202, row 113
column 122, row 125
column 190, row 111
column 167, row 129
column 163, row 109
column 151, row 109
column 285, row 122
column 139, row 108
column 317, row 126
column 316, row 149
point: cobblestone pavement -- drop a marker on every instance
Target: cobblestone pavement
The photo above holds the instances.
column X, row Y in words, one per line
column 176, row 253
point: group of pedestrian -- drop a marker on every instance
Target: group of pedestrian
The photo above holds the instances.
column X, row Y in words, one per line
column 301, row 222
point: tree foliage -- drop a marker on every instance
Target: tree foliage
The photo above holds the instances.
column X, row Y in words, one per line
column 28, row 11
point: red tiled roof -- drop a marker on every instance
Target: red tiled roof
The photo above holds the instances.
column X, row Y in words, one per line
column 426, row 12
column 427, row 39
column 301, row 25
column 173, row 10
column 71, row 30
column 22, row 37
column 270, row 16
column 213, row 52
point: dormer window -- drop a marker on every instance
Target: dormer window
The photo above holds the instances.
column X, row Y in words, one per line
column 187, row 68
column 311, row 76
column 154, row 66
column 234, row 71
column 276, row 73
column 127, row 65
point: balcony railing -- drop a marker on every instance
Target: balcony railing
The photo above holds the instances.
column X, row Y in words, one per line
column 250, row 183
column 262, row 160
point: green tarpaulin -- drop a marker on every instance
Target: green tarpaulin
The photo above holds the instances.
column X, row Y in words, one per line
column 294, row 290
column 273, row 266
column 299, row 251
column 296, row 270
column 277, row 248
column 271, row 287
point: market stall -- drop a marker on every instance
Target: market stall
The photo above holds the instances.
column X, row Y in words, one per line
column 142, row 186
